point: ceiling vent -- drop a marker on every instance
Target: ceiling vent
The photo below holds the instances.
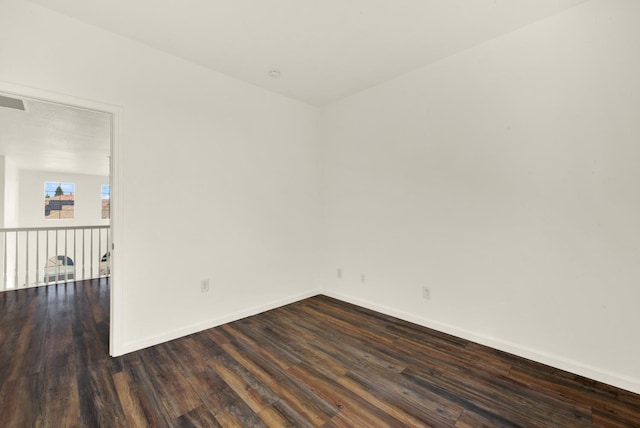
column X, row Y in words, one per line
column 13, row 103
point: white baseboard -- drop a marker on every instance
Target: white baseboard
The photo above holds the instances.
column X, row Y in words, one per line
column 561, row 363
column 571, row 366
column 214, row 322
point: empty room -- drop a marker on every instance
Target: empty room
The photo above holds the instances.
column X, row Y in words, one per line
column 338, row 213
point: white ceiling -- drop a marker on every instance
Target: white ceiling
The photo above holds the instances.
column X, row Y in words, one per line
column 325, row 49
column 52, row 137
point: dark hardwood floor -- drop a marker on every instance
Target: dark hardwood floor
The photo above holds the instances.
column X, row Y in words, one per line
column 319, row 362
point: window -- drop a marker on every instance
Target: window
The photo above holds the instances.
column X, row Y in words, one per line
column 59, row 200
column 105, row 199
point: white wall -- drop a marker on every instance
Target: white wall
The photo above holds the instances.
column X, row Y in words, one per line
column 8, row 210
column 219, row 178
column 2, row 188
column 504, row 178
column 11, row 191
column 8, row 192
column 88, row 203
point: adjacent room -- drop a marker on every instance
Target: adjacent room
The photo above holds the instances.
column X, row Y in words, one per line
column 325, row 214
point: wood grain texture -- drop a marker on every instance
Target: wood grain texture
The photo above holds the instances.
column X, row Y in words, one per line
column 315, row 363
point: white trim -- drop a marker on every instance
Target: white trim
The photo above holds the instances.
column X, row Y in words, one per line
column 116, row 322
column 116, row 332
column 561, row 363
column 214, row 322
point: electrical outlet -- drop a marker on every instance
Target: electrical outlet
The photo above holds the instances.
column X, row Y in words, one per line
column 204, row 285
column 426, row 293
column 363, row 278
column 339, row 273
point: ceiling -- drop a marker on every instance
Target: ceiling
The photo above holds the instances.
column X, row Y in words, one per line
column 52, row 137
column 324, row 49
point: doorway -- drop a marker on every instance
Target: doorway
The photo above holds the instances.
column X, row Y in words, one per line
column 52, row 138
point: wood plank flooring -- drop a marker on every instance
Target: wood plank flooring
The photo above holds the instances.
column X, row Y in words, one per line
column 316, row 363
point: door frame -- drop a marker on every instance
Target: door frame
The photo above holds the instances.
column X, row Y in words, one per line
column 116, row 318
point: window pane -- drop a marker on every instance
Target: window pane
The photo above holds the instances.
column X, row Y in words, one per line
column 59, row 200
column 105, row 196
